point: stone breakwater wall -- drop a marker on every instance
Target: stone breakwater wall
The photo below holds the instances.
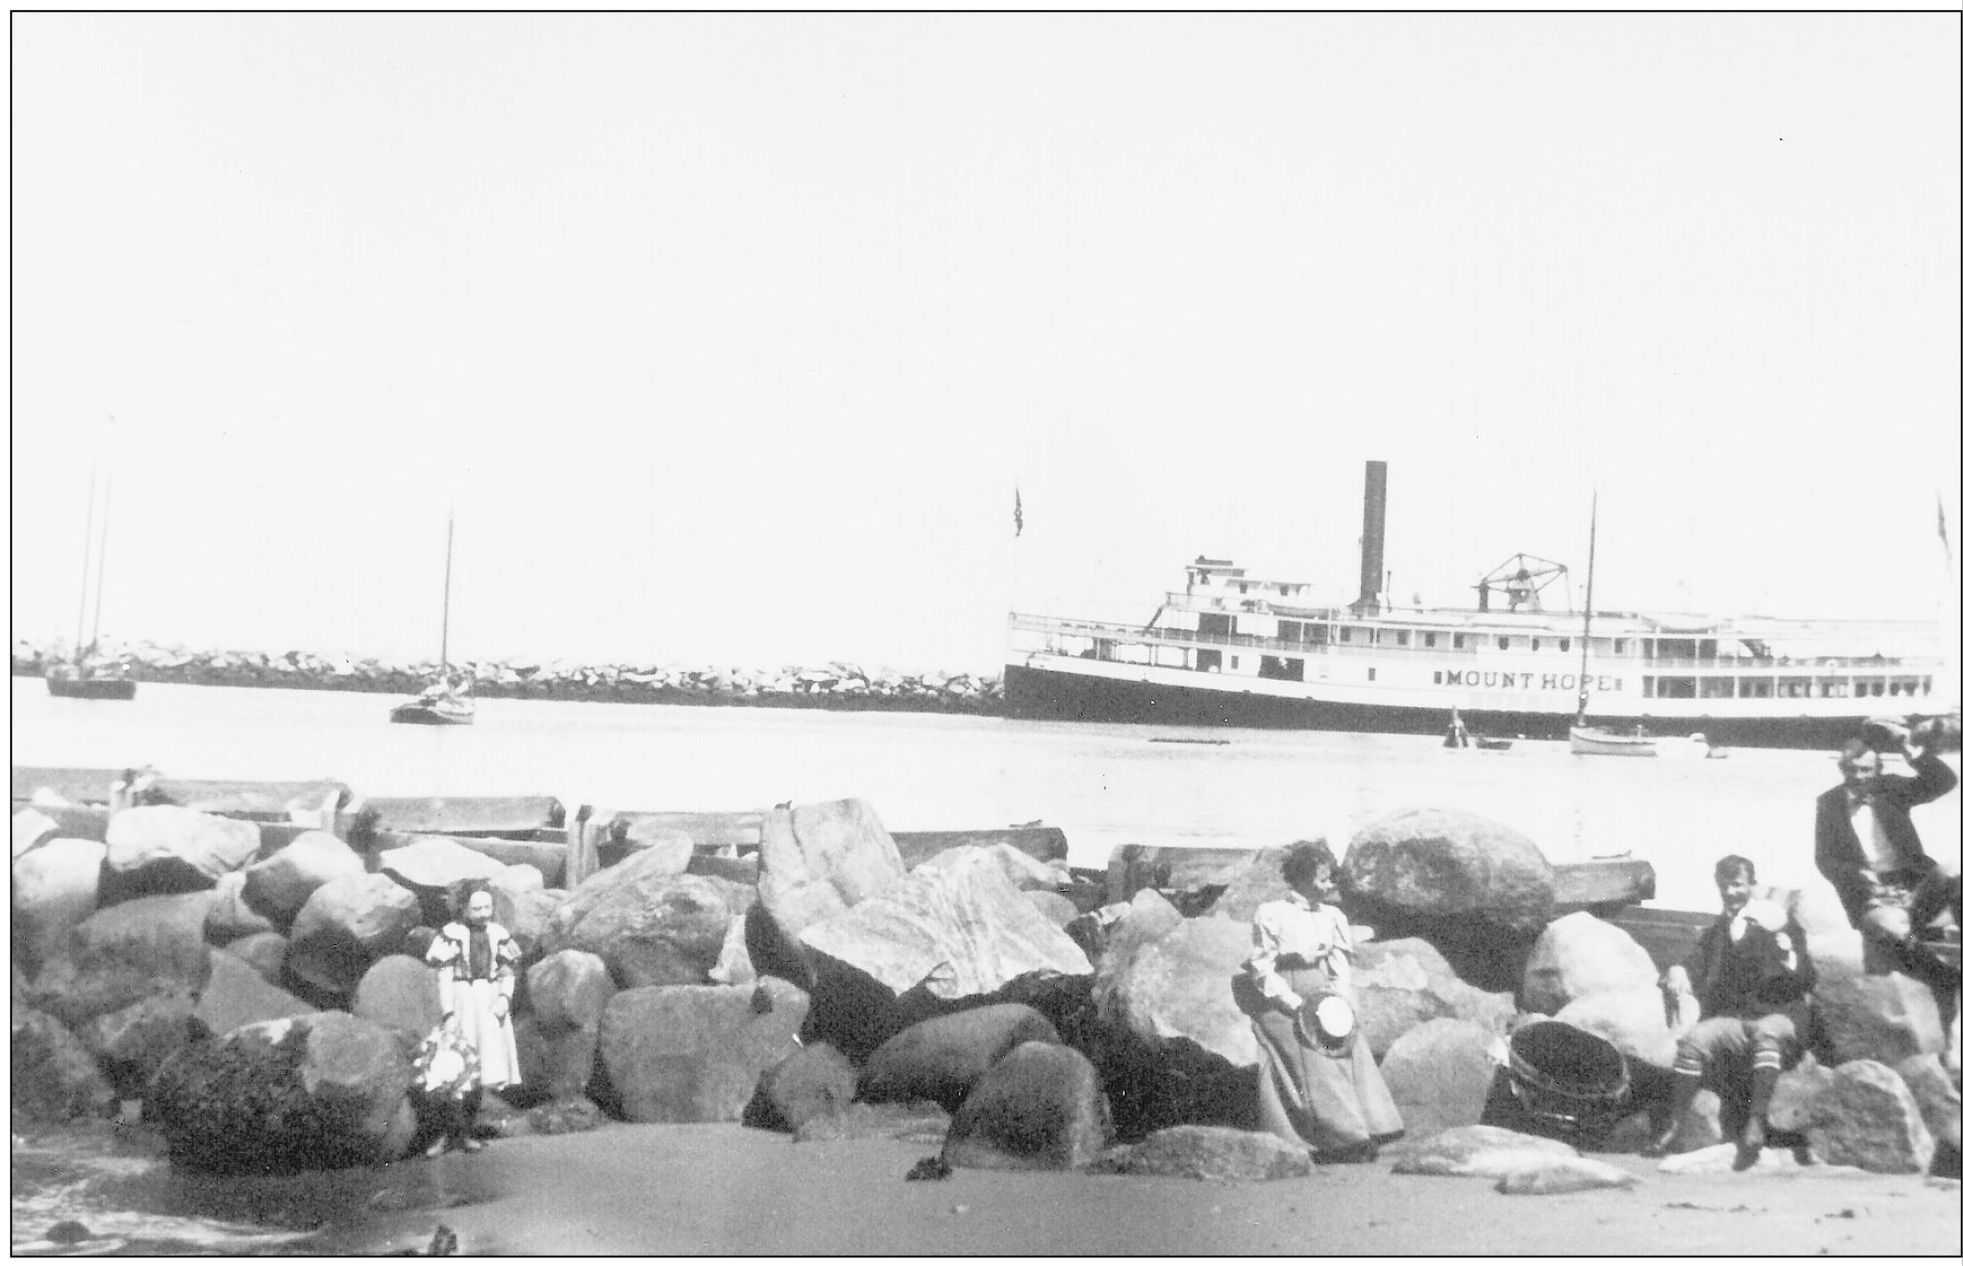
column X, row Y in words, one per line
column 837, row 686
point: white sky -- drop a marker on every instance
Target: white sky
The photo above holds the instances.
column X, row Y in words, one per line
column 732, row 336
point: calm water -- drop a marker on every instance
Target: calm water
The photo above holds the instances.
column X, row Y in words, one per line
column 1103, row 785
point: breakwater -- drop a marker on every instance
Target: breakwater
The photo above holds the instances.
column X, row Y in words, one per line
column 834, row 686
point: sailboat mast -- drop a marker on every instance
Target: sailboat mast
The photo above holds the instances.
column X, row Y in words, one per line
column 449, row 544
column 1587, row 613
column 102, row 559
column 88, row 551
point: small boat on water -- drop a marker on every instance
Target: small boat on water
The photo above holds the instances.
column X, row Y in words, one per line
column 1589, row 740
column 446, row 700
column 1488, row 744
column 88, row 674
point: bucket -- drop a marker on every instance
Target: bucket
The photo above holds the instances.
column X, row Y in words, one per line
column 1571, row 1084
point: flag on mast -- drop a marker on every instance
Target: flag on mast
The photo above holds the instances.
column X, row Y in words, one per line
column 1018, row 509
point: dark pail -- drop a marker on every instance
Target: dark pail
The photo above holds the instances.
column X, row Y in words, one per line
column 1571, row 1083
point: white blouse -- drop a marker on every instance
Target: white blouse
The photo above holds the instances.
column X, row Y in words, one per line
column 1320, row 935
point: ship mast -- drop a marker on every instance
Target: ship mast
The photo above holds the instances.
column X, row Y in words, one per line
column 449, row 546
column 88, row 552
column 1587, row 614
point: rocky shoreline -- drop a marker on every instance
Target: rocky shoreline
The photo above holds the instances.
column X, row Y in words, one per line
column 835, row 686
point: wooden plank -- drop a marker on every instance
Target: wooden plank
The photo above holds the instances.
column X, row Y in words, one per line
column 1171, row 870
column 1044, row 843
column 253, row 801
column 549, row 858
column 504, row 816
column 1602, row 885
column 76, row 785
column 741, row 831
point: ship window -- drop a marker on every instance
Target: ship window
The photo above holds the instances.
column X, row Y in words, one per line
column 1373, row 636
column 1437, row 678
column 1620, row 643
column 1755, row 687
column 1207, row 661
column 1403, row 637
column 1458, row 641
column 1536, row 645
column 1431, row 639
column 1343, row 634
column 1373, row 674
column 1505, row 641
column 1676, row 687
column 1717, row 687
column 1564, row 643
column 1235, row 662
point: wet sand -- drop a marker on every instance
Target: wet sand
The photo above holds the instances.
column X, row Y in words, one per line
column 630, row 1189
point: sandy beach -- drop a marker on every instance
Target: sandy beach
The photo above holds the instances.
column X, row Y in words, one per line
column 723, row 1189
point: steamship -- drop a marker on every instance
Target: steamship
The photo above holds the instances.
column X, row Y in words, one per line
column 1231, row 650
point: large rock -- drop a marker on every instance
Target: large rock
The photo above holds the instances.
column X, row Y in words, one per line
column 666, row 849
column 131, row 1044
column 1400, row 984
column 280, row 885
column 399, row 993
column 314, row 1092
column 1477, row 1151
column 958, row 929
column 1935, row 1096
column 1209, row 1152
column 1441, row 1073
column 684, row 1053
column 1559, row 1175
column 942, row 1058
column 922, row 1124
column 1039, row 1107
column 231, row 916
column 237, row 994
column 53, row 1076
column 433, row 867
column 1025, row 873
column 1883, row 1018
column 55, row 887
column 1255, row 884
column 815, row 1081
column 653, row 929
column 569, row 992
column 1795, row 1092
column 264, row 952
column 163, row 848
column 346, row 925
column 127, row 952
column 1867, row 1117
column 1445, row 868
column 527, row 914
column 817, row 861
column 32, row 828
column 1631, row 1021
column 1579, row 954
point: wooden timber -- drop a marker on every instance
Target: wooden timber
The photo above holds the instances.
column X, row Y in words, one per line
column 508, row 817
column 1044, row 843
column 77, row 786
column 315, row 801
column 550, row 858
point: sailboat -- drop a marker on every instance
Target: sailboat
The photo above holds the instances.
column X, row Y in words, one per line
column 443, row 701
column 1594, row 740
column 83, row 676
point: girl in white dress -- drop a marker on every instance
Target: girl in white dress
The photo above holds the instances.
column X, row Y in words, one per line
column 476, row 965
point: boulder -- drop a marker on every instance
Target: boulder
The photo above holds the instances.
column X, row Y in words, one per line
column 1867, row 1117
column 668, row 848
column 399, row 993
column 1477, row 1151
column 53, row 1076
column 32, row 829
column 1558, row 1175
column 1024, row 873
column 1055, row 907
column 1445, row 868
column 264, row 952
column 126, row 952
column 1882, row 1018
column 1441, row 1073
column 527, row 914
column 918, row 1123
column 131, row 1044
column 313, row 1092
column 653, row 928
column 1129, row 928
column 958, row 928
column 1579, row 954
column 1935, row 1096
column 560, row 1036
column 1038, row 1107
column 55, row 887
column 432, row 867
column 684, row 1053
column 515, row 878
column 237, row 994
column 231, row 915
column 817, row 861
column 163, row 849
column 1251, row 886
column 816, row 1081
column 1212, row 1153
column 1400, row 984
column 346, row 925
column 942, row 1058
column 280, row 885
column 1631, row 1021
column 1795, row 1092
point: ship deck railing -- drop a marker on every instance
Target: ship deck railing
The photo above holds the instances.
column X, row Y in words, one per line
column 1051, row 627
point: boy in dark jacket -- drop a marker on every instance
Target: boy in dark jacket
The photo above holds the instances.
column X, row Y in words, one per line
column 1750, row 974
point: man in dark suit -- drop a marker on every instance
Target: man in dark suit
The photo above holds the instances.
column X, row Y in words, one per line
column 1866, row 846
column 1750, row 974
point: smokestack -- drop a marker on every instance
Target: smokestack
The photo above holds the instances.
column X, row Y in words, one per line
column 1371, row 583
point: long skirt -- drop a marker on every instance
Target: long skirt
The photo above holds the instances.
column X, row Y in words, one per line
column 490, row 1037
column 1320, row 1101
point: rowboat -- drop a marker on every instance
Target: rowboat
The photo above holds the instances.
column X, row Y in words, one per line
column 1589, row 740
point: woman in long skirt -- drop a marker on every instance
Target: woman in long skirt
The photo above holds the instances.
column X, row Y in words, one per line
column 476, row 970
column 1319, row 1082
